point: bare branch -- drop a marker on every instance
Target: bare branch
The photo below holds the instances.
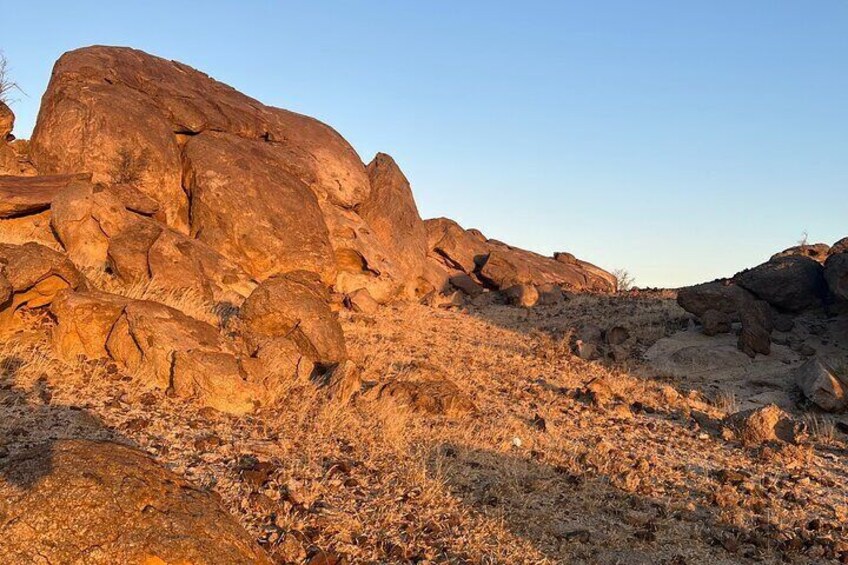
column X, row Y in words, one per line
column 6, row 83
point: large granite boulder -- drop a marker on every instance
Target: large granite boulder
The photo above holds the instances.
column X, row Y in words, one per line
column 391, row 213
column 76, row 501
column 791, row 283
column 294, row 306
column 249, row 208
column 720, row 296
column 103, row 103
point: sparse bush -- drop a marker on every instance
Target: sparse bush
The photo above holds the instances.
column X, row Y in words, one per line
column 128, row 166
column 725, row 401
column 805, row 240
column 821, row 429
column 624, row 280
column 7, row 85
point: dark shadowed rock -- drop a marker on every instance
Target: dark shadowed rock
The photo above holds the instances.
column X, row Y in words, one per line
column 524, row 295
column 392, row 215
column 296, row 306
column 715, row 322
column 792, row 283
column 722, row 296
column 755, row 336
column 836, row 275
column 467, row 285
column 840, row 246
column 76, row 501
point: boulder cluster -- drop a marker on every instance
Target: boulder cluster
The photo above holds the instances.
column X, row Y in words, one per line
column 802, row 282
column 204, row 243
column 247, row 226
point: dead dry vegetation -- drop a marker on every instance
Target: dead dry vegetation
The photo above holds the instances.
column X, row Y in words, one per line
column 563, row 461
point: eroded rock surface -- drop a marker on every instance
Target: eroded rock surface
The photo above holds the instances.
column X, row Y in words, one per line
column 76, row 501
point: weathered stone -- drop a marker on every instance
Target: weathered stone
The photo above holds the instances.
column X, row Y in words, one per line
column 721, row 296
column 434, row 396
column 97, row 230
column 792, row 283
column 147, row 335
column 467, row 285
column 524, row 295
column 36, row 274
column 360, row 300
column 295, row 305
column 392, row 215
column 7, row 122
column 716, row 322
column 247, row 207
column 361, row 259
column 836, row 275
column 21, row 196
column 104, row 103
column 216, row 380
column 755, row 336
column 816, row 251
column 84, row 321
column 822, row 386
column 453, row 245
column 763, row 425
column 76, row 501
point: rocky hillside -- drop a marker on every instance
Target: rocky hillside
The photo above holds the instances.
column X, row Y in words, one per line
column 226, row 339
column 163, row 228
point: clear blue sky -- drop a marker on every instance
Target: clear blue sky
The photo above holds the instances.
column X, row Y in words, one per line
column 680, row 140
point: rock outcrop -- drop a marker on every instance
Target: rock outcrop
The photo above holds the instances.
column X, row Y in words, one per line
column 391, row 213
column 792, row 283
column 77, row 501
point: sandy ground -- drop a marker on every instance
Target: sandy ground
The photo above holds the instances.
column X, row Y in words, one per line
column 543, row 472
